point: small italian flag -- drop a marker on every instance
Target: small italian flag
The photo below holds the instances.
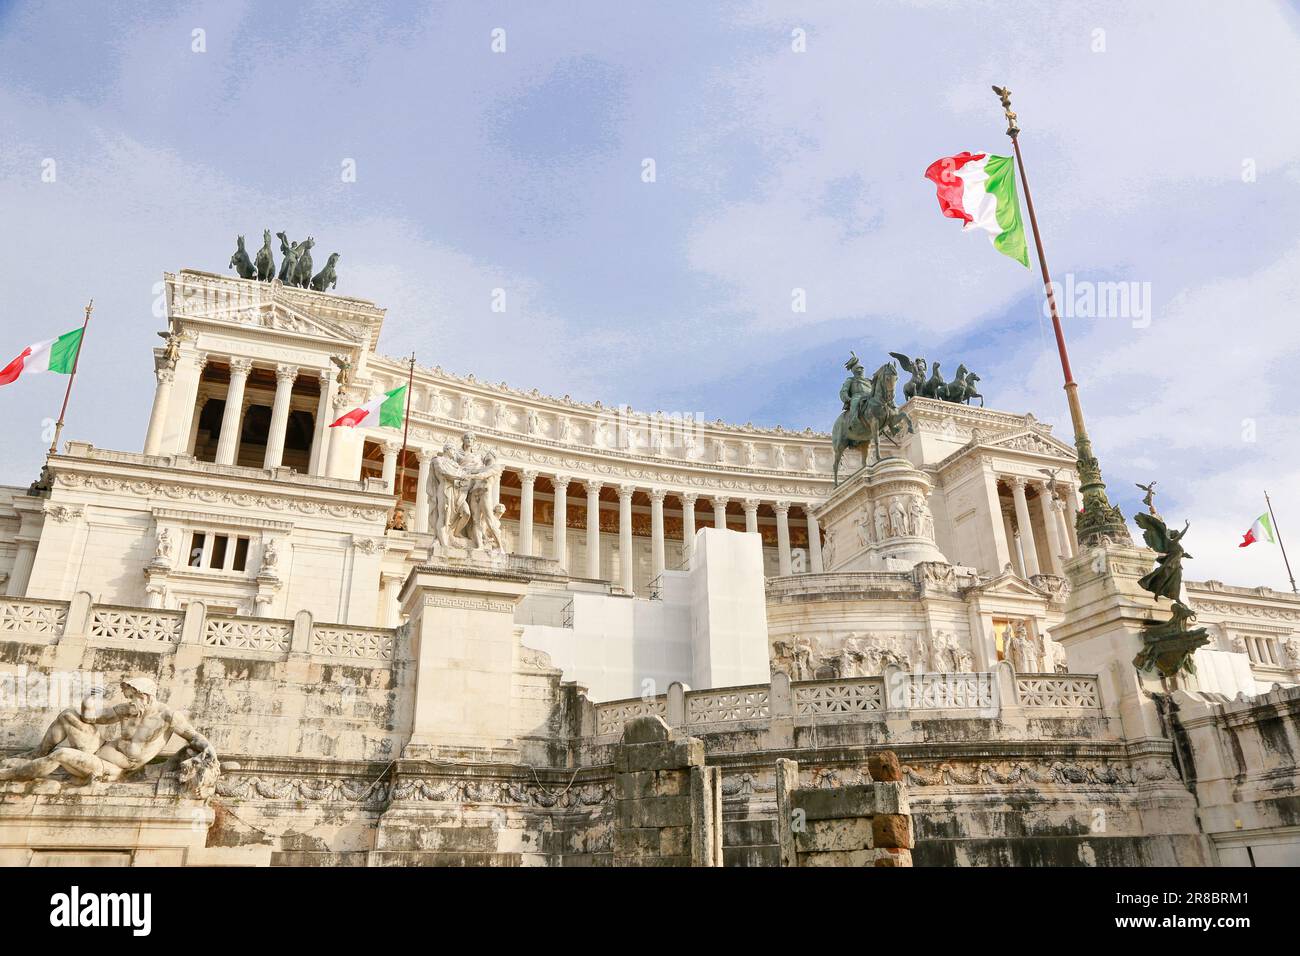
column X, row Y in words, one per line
column 1261, row 530
column 980, row 190
column 52, row 355
column 385, row 411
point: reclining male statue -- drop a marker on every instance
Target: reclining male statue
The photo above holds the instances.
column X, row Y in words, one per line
column 144, row 726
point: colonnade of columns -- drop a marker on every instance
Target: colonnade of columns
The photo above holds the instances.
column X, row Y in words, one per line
column 1056, row 516
column 591, row 531
column 232, row 420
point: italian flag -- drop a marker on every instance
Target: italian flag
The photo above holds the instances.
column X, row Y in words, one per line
column 52, row 355
column 1261, row 530
column 980, row 190
column 385, row 411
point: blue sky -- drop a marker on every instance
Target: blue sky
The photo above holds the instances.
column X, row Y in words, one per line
column 775, row 170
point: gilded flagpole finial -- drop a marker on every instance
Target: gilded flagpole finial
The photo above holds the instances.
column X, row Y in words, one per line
column 1004, row 95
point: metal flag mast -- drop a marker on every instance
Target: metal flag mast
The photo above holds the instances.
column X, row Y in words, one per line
column 1285, row 560
column 1100, row 521
column 58, row 426
column 397, row 521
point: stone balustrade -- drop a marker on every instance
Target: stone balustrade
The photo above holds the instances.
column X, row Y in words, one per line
column 897, row 692
column 31, row 621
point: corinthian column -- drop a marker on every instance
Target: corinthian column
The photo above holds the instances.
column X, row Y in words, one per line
column 158, row 417
column 688, row 524
column 1053, row 527
column 320, row 438
column 561, row 551
column 593, row 528
column 782, row 536
column 285, row 376
column 656, row 532
column 750, row 506
column 814, row 541
column 719, row 512
column 232, row 417
column 389, row 473
column 526, row 481
column 425, row 456
column 625, row 536
column 1027, row 545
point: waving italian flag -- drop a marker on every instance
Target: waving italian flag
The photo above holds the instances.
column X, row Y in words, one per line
column 386, row 410
column 980, row 190
column 1261, row 530
column 52, row 355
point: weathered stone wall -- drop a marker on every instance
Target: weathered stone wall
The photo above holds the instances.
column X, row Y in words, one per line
column 866, row 824
column 668, row 804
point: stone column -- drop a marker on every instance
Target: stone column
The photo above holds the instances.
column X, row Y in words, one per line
column 21, row 572
column 1053, row 526
column 320, row 438
column 422, row 490
column 1027, row 544
column 814, row 541
column 561, row 550
column 1060, row 514
column 158, row 417
column 1001, row 538
column 285, row 376
column 782, row 536
column 232, row 417
column 593, row 528
column 391, row 448
column 688, row 524
column 526, row 481
column 1072, row 501
column 719, row 513
column 656, row 532
column 626, row 562
column 750, row 506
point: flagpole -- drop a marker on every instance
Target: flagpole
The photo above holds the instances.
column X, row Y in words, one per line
column 1273, row 518
column 1099, row 521
column 395, row 522
column 76, row 360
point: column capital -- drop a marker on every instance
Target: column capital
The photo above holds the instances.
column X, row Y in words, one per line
column 625, row 492
column 240, row 366
column 781, row 507
column 1017, row 482
column 528, row 475
column 286, row 373
column 561, row 481
column 657, row 495
column 720, row 501
column 326, row 376
column 391, row 447
column 808, row 510
column 166, row 376
column 425, row 455
column 200, row 360
column 749, row 504
column 592, row 486
column 688, row 498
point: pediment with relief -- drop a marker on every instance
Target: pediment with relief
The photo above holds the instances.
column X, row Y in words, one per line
column 1034, row 442
column 1009, row 585
column 278, row 316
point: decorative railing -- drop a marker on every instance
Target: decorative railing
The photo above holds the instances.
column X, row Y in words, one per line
column 721, row 706
column 1057, row 690
column 352, row 643
column 611, row 716
column 944, row 691
column 824, row 698
column 134, row 624
column 248, row 633
column 28, row 617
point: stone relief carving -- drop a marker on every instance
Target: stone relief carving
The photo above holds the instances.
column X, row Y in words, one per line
column 97, row 742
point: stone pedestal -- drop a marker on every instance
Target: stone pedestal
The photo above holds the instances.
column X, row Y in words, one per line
column 149, row 823
column 461, row 618
column 880, row 520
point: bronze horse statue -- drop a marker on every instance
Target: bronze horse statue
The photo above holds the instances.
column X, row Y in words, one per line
column 302, row 265
column 240, row 262
column 868, row 414
column 265, row 262
column 326, row 278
